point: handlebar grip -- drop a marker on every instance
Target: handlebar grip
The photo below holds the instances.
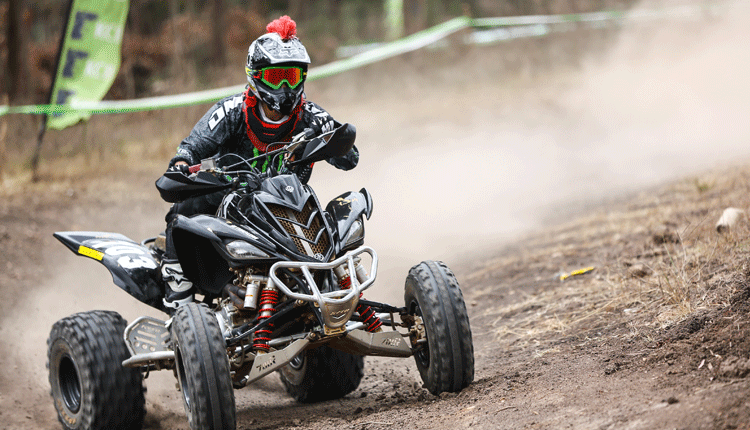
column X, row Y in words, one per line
column 194, row 168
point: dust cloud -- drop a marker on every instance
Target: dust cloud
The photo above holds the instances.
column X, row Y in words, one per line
column 459, row 165
column 667, row 104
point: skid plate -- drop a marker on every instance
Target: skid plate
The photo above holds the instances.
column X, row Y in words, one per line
column 384, row 343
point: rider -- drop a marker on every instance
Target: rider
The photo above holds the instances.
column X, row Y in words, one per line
column 273, row 108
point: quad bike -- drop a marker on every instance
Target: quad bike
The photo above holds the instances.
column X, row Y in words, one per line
column 280, row 282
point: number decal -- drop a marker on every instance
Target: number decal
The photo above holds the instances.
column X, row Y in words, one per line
column 131, row 255
column 134, row 263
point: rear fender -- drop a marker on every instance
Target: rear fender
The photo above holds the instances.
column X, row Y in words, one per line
column 132, row 266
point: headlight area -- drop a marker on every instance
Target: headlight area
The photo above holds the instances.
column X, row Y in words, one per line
column 242, row 250
column 355, row 234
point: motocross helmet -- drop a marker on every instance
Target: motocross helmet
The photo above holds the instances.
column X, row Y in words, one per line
column 277, row 66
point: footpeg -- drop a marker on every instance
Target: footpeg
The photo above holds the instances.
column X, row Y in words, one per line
column 146, row 339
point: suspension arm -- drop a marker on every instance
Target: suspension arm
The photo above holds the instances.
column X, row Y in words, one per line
column 383, row 307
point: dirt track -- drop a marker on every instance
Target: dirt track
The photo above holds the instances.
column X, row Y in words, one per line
column 481, row 166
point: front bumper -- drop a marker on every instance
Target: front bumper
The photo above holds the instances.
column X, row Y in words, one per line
column 336, row 306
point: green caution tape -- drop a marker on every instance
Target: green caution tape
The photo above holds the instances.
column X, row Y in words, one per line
column 407, row 44
column 401, row 46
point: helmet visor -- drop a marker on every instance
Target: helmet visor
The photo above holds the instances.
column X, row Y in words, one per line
column 275, row 77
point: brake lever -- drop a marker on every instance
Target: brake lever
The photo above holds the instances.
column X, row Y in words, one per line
column 297, row 140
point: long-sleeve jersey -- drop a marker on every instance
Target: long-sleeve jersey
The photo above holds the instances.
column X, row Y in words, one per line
column 233, row 126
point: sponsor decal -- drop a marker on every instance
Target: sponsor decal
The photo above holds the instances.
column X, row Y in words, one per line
column 232, row 104
column 393, row 343
column 263, row 366
column 91, row 253
column 215, row 118
column 345, row 202
column 337, row 315
column 70, row 420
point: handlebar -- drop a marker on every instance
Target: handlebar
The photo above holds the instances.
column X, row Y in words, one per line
column 217, row 173
column 302, row 148
column 288, row 148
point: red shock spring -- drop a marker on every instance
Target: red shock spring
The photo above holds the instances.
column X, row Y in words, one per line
column 268, row 301
column 371, row 321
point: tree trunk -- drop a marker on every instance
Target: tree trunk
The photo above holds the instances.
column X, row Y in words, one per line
column 472, row 8
column 217, row 18
column 394, row 20
column 434, row 12
column 334, row 16
column 17, row 67
column 295, row 9
column 177, row 63
column 261, row 8
column 415, row 15
column 3, row 133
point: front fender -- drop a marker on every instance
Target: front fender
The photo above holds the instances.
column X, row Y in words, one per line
column 132, row 266
column 347, row 208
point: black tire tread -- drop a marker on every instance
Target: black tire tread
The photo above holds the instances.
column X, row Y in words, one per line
column 112, row 395
column 330, row 374
column 434, row 286
column 200, row 342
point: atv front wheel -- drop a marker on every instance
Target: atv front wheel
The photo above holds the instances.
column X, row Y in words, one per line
column 89, row 386
column 322, row 374
column 203, row 368
column 444, row 351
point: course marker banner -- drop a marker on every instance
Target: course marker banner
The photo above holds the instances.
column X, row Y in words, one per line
column 89, row 57
column 378, row 53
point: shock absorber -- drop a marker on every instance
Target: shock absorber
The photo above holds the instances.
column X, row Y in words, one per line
column 269, row 298
column 371, row 321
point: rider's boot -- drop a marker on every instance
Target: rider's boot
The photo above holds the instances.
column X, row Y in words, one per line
column 179, row 289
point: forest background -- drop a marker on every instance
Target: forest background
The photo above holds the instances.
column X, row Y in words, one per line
column 177, row 46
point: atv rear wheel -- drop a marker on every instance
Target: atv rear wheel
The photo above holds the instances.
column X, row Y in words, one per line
column 203, row 368
column 89, row 386
column 445, row 355
column 322, row 374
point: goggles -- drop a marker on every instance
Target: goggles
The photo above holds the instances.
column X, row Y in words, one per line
column 275, row 77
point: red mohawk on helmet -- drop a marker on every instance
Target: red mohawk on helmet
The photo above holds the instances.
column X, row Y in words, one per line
column 284, row 26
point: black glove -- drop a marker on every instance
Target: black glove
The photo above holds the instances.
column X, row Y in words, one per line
column 311, row 132
column 181, row 168
column 306, row 134
column 249, row 181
